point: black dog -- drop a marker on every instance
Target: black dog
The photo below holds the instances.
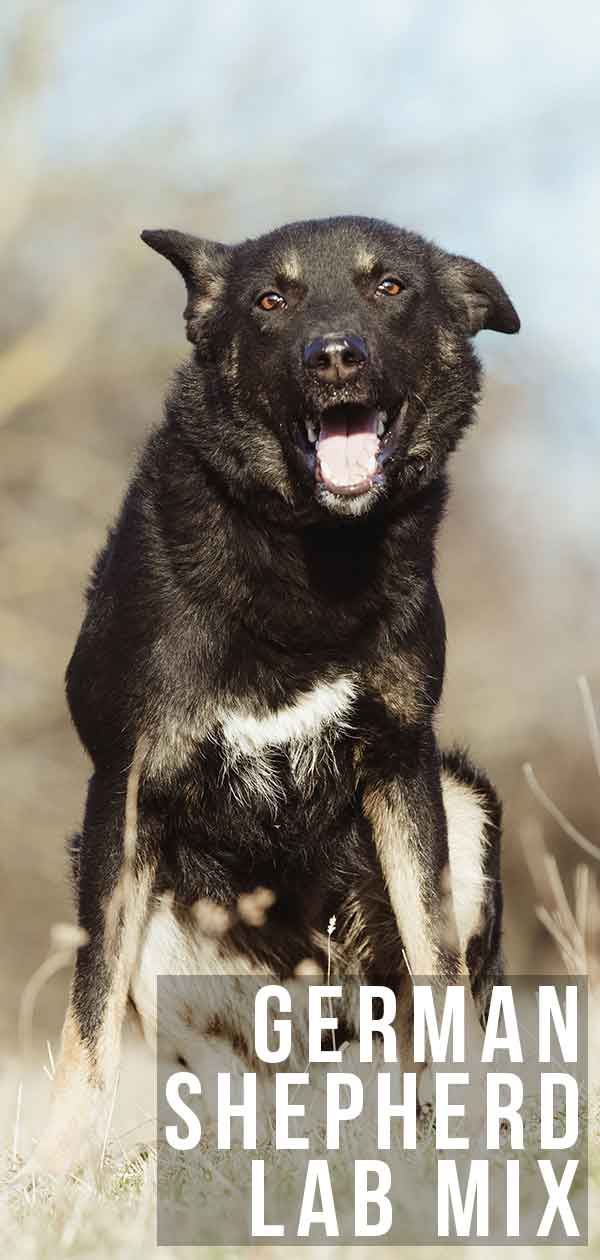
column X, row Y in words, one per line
column 262, row 656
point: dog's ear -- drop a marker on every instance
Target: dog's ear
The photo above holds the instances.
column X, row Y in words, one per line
column 203, row 265
column 477, row 295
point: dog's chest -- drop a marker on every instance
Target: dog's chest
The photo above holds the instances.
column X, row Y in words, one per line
column 257, row 749
column 303, row 733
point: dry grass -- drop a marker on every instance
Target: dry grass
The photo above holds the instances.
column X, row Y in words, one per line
column 94, row 1217
column 111, row 1210
column 573, row 922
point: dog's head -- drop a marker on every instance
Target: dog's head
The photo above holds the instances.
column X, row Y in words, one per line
column 336, row 355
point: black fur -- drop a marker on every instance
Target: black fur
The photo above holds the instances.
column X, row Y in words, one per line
column 235, row 576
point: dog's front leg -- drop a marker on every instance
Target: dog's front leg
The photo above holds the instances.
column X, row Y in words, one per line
column 115, row 878
column 402, row 799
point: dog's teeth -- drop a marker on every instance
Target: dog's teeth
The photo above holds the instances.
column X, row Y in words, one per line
column 404, row 409
column 312, row 433
column 381, row 426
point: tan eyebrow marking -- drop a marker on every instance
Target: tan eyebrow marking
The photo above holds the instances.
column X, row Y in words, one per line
column 365, row 260
column 211, row 290
column 290, row 268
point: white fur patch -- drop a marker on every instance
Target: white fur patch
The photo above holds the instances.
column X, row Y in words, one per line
column 170, row 950
column 351, row 504
column 306, row 730
column 467, row 819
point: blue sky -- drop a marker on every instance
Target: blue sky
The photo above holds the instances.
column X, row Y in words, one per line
column 476, row 123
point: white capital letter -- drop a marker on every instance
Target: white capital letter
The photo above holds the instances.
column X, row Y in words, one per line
column 317, row 1022
column 445, row 1109
column 449, row 1189
column 226, row 1110
column 548, row 1110
column 557, row 1198
column 317, row 1175
column 282, row 1027
column 378, row 1194
column 176, row 1103
column 406, row 1110
column 502, row 1003
column 368, row 994
column 259, row 1228
column 513, row 1206
column 335, row 1112
column 284, row 1109
column 509, row 1111
column 565, row 1027
column 453, row 1020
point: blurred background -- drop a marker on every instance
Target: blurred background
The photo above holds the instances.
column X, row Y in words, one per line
column 474, row 123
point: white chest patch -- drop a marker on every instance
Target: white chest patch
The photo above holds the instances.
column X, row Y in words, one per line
column 305, row 730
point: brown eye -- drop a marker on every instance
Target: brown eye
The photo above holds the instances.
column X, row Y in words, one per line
column 271, row 302
column 391, row 286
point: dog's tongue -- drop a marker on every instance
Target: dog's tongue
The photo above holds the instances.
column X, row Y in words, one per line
column 347, row 447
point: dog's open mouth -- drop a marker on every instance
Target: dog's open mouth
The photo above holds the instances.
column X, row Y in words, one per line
column 349, row 440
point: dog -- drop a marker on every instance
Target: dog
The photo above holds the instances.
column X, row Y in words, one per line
column 257, row 674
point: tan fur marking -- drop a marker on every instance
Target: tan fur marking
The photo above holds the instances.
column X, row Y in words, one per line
column 175, row 743
column 211, row 290
column 125, row 885
column 422, row 937
column 365, row 260
column 397, row 850
column 273, row 468
column 86, row 1077
column 462, row 884
column 448, row 347
column 74, row 1129
column 291, row 268
column 404, row 688
column 134, row 920
column 232, row 362
column 126, row 916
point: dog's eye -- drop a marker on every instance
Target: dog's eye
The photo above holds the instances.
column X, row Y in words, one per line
column 390, row 286
column 271, row 301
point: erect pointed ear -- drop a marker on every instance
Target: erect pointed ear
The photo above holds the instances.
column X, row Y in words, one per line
column 477, row 295
column 203, row 265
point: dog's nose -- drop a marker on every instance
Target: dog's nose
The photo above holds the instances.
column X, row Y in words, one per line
column 336, row 358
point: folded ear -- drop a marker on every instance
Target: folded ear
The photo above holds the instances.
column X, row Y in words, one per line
column 203, row 265
column 477, row 295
